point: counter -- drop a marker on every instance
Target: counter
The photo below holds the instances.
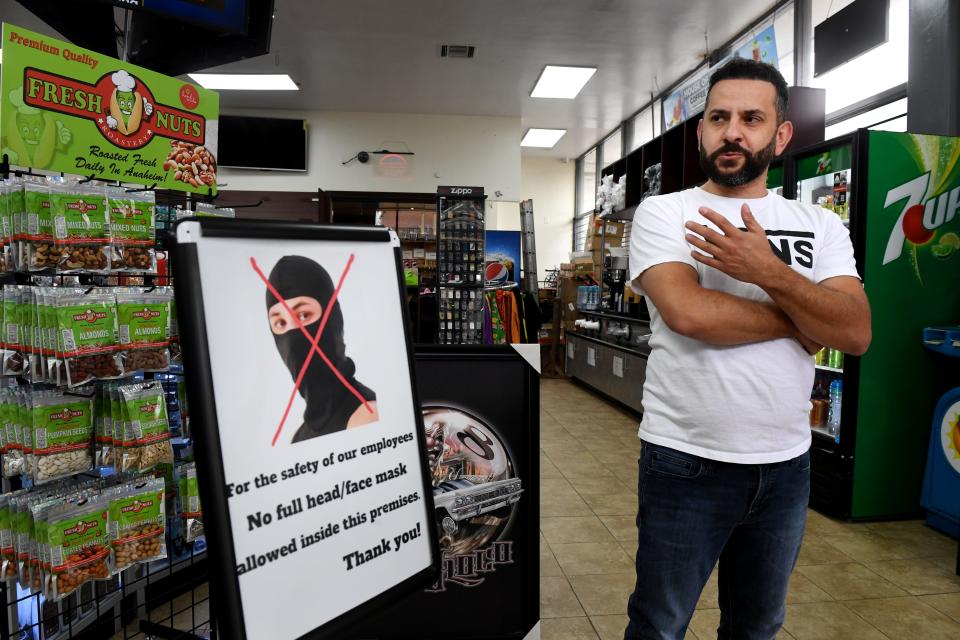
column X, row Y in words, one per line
column 612, row 360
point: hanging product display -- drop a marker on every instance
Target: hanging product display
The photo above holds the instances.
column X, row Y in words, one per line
column 461, row 261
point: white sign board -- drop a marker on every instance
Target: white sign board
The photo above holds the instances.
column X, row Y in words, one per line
column 310, row 425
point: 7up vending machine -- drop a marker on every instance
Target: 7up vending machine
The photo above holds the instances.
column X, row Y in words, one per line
column 899, row 194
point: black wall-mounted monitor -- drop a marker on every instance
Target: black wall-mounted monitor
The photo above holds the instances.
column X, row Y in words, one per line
column 220, row 15
column 218, row 31
column 850, row 32
column 276, row 144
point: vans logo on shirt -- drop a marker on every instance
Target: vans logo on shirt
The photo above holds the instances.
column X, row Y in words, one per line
column 792, row 246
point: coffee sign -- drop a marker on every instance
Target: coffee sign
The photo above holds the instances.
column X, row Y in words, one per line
column 64, row 108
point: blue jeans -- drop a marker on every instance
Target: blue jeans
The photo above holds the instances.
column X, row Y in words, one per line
column 695, row 512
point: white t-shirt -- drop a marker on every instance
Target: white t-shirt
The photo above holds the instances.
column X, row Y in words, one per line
column 746, row 404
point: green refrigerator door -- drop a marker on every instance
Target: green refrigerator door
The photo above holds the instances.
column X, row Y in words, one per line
column 912, row 277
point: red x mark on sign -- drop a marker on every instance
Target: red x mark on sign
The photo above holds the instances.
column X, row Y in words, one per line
column 314, row 342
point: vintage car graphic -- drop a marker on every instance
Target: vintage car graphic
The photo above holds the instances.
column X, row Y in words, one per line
column 457, row 500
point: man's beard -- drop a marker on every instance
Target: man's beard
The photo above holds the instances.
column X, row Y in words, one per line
column 753, row 164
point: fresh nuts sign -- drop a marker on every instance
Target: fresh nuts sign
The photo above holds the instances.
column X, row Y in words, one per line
column 64, row 108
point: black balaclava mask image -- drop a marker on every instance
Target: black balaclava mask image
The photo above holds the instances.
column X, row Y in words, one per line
column 329, row 403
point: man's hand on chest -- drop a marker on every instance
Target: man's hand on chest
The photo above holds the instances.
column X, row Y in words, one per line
column 743, row 255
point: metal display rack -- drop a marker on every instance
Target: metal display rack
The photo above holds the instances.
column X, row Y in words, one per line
column 164, row 599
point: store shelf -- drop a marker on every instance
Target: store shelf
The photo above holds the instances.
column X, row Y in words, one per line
column 822, row 367
column 624, row 215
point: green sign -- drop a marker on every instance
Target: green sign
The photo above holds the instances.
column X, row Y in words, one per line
column 912, row 277
column 821, row 164
column 64, row 108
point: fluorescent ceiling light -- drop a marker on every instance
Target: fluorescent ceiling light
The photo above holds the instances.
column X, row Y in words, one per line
column 543, row 138
column 562, row 82
column 245, row 81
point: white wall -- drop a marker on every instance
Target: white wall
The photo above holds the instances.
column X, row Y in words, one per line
column 450, row 150
column 550, row 184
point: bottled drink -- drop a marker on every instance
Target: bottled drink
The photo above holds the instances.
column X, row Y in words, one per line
column 836, row 359
column 836, row 402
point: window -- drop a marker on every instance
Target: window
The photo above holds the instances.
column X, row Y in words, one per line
column 612, row 149
column 588, row 182
column 889, row 117
column 874, row 71
column 642, row 127
column 586, row 197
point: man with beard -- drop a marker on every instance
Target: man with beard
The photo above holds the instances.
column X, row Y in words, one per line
column 742, row 287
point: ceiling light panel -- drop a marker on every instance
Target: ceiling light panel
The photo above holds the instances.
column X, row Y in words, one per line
column 245, row 81
column 562, row 82
column 542, row 138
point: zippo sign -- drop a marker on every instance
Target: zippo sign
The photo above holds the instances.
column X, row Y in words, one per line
column 64, row 108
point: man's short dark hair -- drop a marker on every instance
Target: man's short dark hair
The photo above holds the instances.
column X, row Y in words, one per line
column 746, row 69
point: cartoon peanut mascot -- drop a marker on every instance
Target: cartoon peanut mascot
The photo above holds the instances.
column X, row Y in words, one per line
column 127, row 107
column 32, row 136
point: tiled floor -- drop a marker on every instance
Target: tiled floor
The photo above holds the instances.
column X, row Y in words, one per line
column 891, row 580
column 186, row 612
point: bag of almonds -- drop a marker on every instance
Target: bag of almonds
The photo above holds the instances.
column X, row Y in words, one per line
column 137, row 524
column 146, row 429
column 62, row 435
column 88, row 330
column 133, row 231
column 36, row 227
column 81, row 223
column 79, row 545
column 144, row 322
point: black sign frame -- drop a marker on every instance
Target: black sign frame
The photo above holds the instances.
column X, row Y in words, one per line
column 226, row 604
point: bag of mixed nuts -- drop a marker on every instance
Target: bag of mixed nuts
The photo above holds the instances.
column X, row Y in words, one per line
column 5, row 263
column 88, row 330
column 62, row 434
column 81, row 224
column 79, row 549
column 146, row 439
column 133, row 231
column 36, row 223
column 144, row 322
column 15, row 207
column 137, row 524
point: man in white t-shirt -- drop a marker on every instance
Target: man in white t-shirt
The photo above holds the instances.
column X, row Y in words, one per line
column 742, row 286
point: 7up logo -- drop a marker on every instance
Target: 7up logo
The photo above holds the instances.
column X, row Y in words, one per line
column 919, row 219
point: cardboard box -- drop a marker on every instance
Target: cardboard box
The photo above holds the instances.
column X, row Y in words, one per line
column 614, row 228
column 611, row 240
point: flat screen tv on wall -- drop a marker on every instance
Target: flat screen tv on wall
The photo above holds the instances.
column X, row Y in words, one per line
column 269, row 144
